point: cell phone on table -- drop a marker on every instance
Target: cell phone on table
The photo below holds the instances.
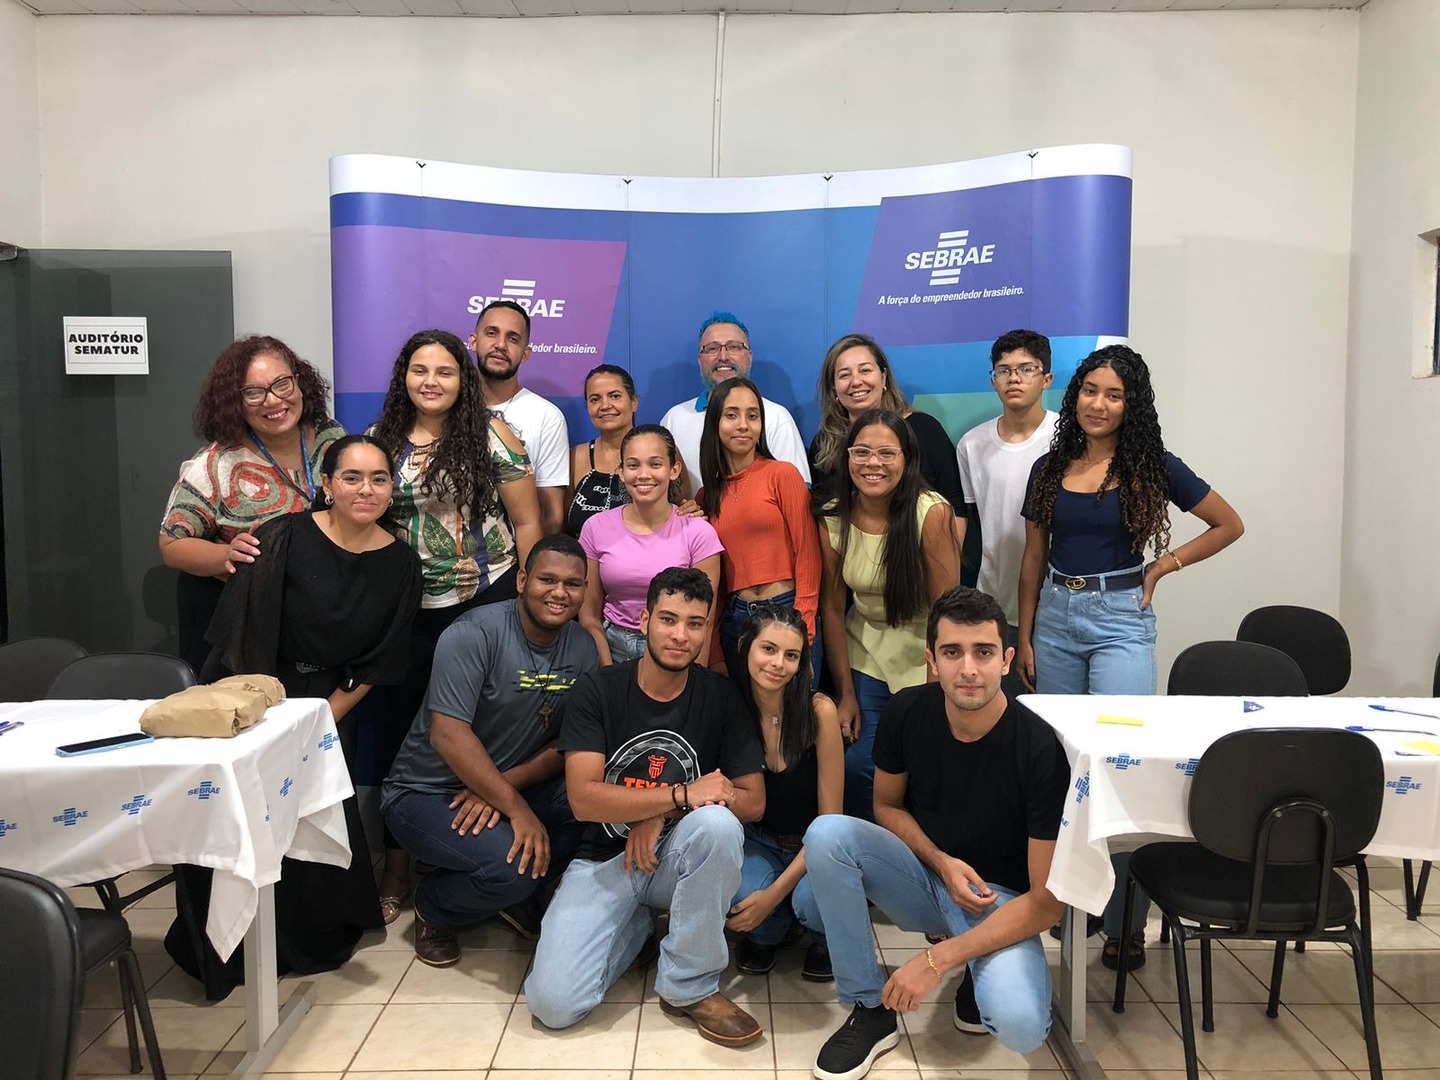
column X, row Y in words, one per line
column 99, row 746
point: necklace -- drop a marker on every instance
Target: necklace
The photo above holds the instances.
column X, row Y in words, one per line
column 535, row 679
column 774, row 721
column 309, row 489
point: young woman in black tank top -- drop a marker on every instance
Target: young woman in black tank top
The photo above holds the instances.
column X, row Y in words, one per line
column 804, row 777
column 595, row 483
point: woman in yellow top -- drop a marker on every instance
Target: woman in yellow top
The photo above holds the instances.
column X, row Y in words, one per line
column 889, row 539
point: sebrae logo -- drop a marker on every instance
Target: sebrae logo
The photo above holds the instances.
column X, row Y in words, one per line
column 951, row 252
column 522, row 292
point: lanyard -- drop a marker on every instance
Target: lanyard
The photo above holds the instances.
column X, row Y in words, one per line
column 309, row 491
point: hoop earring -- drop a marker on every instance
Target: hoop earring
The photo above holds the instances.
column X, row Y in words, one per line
column 329, row 499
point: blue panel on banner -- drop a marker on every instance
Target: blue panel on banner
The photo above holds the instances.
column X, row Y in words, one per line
column 1081, row 271
column 450, row 215
column 357, row 410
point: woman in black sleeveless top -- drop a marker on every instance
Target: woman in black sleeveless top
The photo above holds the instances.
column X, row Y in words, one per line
column 804, row 777
column 595, row 483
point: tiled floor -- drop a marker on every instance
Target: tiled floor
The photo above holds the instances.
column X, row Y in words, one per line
column 386, row 1016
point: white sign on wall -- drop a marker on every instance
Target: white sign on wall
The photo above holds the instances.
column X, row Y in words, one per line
column 106, row 345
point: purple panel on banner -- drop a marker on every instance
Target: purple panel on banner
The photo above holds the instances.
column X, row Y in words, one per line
column 949, row 267
column 390, row 282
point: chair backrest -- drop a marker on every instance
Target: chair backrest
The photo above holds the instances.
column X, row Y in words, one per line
column 44, row 981
column 1314, row 640
column 28, row 667
column 1235, row 668
column 1435, row 682
column 122, row 675
column 1244, row 775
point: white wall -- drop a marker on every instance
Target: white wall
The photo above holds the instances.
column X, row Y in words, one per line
column 214, row 132
column 19, row 127
column 1391, row 604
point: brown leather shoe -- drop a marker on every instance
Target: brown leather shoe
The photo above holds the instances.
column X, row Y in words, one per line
column 719, row 1019
column 435, row 945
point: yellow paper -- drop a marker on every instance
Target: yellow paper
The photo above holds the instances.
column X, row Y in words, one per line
column 1424, row 746
column 1128, row 721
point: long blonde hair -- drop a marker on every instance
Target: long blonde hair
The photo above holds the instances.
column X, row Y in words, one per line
column 834, row 420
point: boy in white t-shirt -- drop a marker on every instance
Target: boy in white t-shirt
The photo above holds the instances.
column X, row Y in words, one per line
column 995, row 459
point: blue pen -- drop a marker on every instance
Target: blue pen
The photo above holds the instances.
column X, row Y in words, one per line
column 10, row 725
column 1404, row 712
column 1391, row 730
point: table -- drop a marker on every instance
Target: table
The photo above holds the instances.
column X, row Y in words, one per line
column 1130, row 785
column 235, row 805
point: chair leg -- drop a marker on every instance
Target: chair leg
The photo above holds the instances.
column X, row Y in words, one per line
column 1164, row 932
column 1365, row 990
column 127, row 1005
column 1182, row 989
column 1300, row 946
column 1362, row 884
column 1122, row 969
column 1420, row 888
column 1277, row 973
column 130, row 968
column 1207, row 988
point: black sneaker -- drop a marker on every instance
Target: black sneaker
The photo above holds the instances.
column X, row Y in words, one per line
column 817, row 963
column 752, row 958
column 967, row 1013
column 849, row 1053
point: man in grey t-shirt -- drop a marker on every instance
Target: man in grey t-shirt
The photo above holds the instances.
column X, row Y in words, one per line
column 478, row 788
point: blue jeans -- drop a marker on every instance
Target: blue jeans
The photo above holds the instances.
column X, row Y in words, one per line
column 872, row 696
column 732, row 621
column 600, row 918
column 766, row 860
column 848, row 862
column 472, row 881
column 625, row 644
column 1097, row 642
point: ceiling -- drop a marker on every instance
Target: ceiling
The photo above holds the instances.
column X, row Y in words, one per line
column 520, row 8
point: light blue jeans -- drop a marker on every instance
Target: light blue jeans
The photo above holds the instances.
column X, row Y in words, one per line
column 872, row 695
column 766, row 860
column 848, row 862
column 601, row 916
column 625, row 644
column 1098, row 642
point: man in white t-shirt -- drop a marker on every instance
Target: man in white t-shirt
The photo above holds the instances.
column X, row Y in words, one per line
column 995, row 460
column 501, row 342
column 724, row 354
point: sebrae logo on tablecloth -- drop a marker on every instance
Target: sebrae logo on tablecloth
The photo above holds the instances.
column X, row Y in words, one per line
column 205, row 791
column 1403, row 786
column 1124, row 761
column 69, row 817
column 1082, row 788
column 135, row 805
column 1188, row 767
column 7, row 827
column 286, row 786
column 328, row 741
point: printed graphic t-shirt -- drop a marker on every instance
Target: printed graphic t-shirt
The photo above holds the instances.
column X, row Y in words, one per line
column 649, row 743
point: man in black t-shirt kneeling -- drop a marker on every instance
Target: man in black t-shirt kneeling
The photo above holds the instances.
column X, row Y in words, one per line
column 969, row 789
column 662, row 758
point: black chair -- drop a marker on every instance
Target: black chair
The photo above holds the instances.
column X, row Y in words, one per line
column 1236, row 668
column 41, row 954
column 1314, row 640
column 121, row 675
column 1273, row 810
column 28, row 667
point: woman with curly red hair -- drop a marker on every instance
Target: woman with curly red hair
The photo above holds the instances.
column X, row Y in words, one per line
column 262, row 412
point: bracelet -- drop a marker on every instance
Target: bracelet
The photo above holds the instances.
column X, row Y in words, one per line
column 1178, row 564
column 931, row 961
column 685, row 798
column 674, row 796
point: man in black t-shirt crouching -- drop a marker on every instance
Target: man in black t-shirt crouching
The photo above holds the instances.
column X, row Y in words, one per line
column 661, row 757
column 969, row 789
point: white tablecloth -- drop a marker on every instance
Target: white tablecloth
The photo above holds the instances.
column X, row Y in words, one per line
column 235, row 805
column 1131, row 784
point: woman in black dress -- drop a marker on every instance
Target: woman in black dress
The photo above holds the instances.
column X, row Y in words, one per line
column 326, row 607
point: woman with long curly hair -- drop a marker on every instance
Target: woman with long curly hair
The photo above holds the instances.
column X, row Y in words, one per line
column 465, row 501
column 1094, row 504
column 890, row 539
column 854, row 378
column 262, row 415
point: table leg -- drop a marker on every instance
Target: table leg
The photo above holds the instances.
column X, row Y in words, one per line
column 267, row 1025
column 1067, row 1034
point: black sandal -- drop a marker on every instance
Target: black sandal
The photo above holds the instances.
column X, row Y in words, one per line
column 1110, row 954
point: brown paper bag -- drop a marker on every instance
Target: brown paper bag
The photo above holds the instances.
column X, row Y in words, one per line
column 220, row 710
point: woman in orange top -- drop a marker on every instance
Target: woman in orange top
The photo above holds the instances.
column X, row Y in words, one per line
column 761, row 509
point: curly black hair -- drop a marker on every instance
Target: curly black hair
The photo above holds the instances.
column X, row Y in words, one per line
column 1138, row 468
column 461, row 457
column 220, row 413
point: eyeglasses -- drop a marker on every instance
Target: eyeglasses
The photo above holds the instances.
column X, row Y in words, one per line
column 351, row 479
column 282, row 387
column 886, row 455
column 1025, row 371
column 715, row 348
